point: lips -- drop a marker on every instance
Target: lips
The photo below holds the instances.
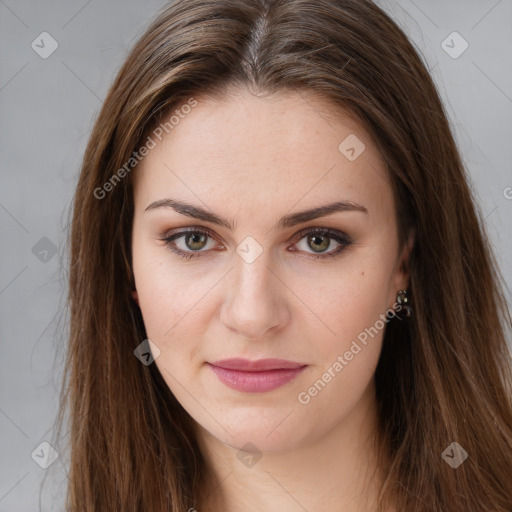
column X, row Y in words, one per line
column 257, row 365
column 256, row 376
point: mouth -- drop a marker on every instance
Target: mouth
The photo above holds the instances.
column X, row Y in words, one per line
column 257, row 376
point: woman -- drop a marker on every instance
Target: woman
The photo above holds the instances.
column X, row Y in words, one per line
column 281, row 293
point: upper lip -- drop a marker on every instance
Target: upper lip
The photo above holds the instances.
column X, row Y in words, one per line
column 257, row 365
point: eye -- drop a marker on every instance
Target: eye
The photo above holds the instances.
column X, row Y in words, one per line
column 320, row 240
column 192, row 242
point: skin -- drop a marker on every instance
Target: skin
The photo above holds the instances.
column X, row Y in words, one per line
column 252, row 160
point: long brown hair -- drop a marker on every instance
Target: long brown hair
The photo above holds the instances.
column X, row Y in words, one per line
column 444, row 376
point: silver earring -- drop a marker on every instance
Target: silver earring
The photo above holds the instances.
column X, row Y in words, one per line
column 404, row 302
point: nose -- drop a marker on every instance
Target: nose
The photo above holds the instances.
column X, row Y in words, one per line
column 256, row 299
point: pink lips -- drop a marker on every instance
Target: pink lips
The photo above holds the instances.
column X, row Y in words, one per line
column 255, row 376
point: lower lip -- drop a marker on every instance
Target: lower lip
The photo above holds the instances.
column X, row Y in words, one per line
column 256, row 382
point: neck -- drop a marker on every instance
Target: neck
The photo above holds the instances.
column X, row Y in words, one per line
column 342, row 465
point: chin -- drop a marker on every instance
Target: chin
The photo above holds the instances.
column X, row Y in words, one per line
column 256, row 431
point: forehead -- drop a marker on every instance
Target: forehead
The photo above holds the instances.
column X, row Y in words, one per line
column 276, row 151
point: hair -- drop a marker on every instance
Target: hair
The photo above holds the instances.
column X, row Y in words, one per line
column 443, row 376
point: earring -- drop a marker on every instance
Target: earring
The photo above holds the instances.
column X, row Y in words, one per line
column 403, row 300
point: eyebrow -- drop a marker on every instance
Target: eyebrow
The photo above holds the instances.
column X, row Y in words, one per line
column 286, row 221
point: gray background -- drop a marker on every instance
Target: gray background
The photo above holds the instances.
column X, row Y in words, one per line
column 47, row 110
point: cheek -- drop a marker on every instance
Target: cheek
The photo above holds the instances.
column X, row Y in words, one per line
column 168, row 293
column 336, row 389
column 347, row 344
column 348, row 351
column 345, row 303
column 175, row 300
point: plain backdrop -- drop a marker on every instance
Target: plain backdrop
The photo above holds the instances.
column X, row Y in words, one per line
column 47, row 108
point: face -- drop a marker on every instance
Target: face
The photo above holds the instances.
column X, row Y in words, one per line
column 269, row 320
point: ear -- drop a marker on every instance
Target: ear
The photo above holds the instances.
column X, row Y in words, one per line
column 403, row 272
column 135, row 296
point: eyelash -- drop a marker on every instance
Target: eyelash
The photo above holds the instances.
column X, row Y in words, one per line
column 338, row 236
